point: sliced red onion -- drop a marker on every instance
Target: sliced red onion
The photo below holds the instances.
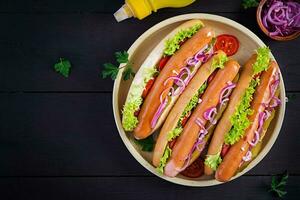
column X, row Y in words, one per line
column 273, row 87
column 185, row 71
column 255, row 139
column 192, row 61
column 199, row 122
column 264, row 21
column 209, row 113
column 158, row 112
column 170, row 93
column 281, row 17
column 226, row 91
column 268, row 114
column 224, row 101
column 200, row 53
column 261, row 120
column 248, row 156
column 276, row 102
column 175, row 78
column 199, row 143
column 181, row 86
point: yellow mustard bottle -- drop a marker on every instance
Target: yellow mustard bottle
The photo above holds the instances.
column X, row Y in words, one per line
column 142, row 8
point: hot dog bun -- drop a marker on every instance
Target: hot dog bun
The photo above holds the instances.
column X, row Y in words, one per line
column 191, row 130
column 149, row 65
column 176, row 62
column 233, row 158
column 171, row 122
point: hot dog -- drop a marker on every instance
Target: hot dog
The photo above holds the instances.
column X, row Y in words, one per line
column 152, row 66
column 224, row 124
column 234, row 122
column 184, row 105
column 262, row 98
column 158, row 100
column 194, row 130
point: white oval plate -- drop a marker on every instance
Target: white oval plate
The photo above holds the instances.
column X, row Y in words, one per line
column 138, row 52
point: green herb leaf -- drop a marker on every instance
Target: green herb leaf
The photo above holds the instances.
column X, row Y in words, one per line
column 250, row 3
column 110, row 70
column 63, row 67
column 128, row 72
column 146, row 144
column 278, row 185
column 121, row 57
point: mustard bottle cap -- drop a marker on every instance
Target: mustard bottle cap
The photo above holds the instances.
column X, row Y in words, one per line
column 123, row 13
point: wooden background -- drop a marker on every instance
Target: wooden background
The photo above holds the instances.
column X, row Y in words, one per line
column 58, row 139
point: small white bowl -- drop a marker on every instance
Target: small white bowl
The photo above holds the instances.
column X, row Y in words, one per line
column 139, row 50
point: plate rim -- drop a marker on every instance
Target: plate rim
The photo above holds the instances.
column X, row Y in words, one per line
column 139, row 157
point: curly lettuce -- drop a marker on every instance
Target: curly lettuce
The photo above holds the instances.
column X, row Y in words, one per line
column 262, row 60
column 218, row 61
column 239, row 119
column 213, row 161
column 173, row 44
column 135, row 100
column 174, row 133
column 163, row 160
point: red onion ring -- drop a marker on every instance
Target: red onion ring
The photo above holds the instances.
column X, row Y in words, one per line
column 248, row 156
column 158, row 113
column 209, row 113
column 171, row 90
column 192, row 61
column 255, row 139
column 226, row 91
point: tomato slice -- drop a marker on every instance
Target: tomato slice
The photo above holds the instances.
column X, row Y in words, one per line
column 148, row 87
column 163, row 61
column 228, row 43
column 225, row 149
column 185, row 119
column 136, row 113
column 195, row 170
column 172, row 143
column 212, row 76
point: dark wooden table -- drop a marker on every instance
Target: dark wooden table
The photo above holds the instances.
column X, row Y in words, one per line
column 58, row 138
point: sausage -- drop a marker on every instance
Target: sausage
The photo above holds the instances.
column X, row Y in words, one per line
column 190, row 132
column 177, row 61
column 233, row 158
column 171, row 122
column 224, row 124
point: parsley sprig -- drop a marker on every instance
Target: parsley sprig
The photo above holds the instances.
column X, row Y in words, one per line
column 250, row 3
column 112, row 70
column 278, row 185
column 63, row 67
column 146, row 144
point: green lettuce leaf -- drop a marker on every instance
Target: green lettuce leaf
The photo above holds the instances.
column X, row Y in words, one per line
column 174, row 133
column 164, row 159
column 135, row 100
column 173, row 43
column 218, row 62
column 213, row 161
column 262, row 60
column 239, row 119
